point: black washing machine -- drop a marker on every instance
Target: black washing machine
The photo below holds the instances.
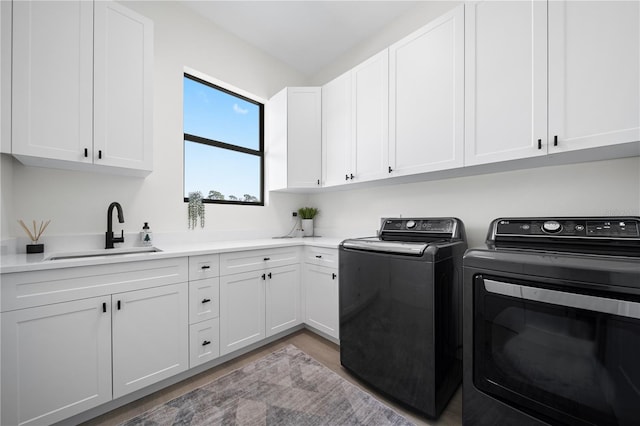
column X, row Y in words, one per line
column 552, row 323
column 400, row 310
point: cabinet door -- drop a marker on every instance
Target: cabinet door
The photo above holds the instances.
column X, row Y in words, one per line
column 321, row 297
column 336, row 131
column 282, row 299
column 370, row 115
column 594, row 73
column 150, row 336
column 426, row 91
column 123, row 87
column 56, row 361
column 304, row 137
column 242, row 314
column 505, row 80
column 5, row 76
column 52, row 105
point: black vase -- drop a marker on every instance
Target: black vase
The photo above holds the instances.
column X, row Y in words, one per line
column 35, row 248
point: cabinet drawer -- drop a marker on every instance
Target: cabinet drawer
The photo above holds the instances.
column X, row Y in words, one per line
column 204, row 342
column 204, row 299
column 255, row 260
column 204, row 266
column 321, row 256
column 44, row 287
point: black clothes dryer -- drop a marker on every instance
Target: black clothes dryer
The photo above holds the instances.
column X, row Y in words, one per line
column 552, row 323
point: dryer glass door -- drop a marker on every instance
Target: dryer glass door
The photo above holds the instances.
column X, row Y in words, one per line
column 557, row 351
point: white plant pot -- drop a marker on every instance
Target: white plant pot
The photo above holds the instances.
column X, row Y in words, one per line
column 307, row 227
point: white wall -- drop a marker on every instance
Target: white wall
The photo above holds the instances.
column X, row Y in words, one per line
column 597, row 188
column 414, row 19
column 77, row 202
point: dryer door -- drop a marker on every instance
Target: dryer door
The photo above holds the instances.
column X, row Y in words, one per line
column 558, row 351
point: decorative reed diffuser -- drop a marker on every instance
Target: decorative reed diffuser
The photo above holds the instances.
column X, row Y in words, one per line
column 35, row 236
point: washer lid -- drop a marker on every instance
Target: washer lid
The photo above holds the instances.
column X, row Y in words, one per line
column 378, row 245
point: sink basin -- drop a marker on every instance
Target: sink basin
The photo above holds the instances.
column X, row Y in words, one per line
column 102, row 252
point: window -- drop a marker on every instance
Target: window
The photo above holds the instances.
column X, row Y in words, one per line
column 223, row 144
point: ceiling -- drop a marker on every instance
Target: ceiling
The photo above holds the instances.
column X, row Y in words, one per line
column 306, row 35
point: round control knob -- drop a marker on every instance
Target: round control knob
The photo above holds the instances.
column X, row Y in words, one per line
column 552, row 227
column 411, row 224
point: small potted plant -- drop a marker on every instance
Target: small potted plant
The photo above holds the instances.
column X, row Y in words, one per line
column 306, row 218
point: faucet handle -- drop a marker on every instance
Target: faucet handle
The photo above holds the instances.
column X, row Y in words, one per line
column 119, row 239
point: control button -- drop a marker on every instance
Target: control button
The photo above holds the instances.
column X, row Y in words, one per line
column 579, row 228
column 411, row 224
column 551, row 226
column 526, row 226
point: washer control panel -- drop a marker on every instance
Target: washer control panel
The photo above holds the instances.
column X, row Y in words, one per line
column 440, row 226
column 610, row 228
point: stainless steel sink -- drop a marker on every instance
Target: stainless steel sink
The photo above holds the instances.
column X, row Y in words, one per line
column 102, row 252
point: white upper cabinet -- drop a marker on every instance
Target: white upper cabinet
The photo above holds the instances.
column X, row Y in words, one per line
column 52, row 80
column 355, row 123
column 505, row 80
column 336, row 131
column 294, row 150
column 556, row 76
column 370, row 118
column 594, row 75
column 426, row 97
column 85, row 90
column 5, row 76
column 123, row 88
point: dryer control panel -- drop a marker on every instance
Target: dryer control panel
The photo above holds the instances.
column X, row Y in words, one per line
column 584, row 228
column 580, row 234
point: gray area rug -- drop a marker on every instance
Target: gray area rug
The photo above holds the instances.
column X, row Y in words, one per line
column 287, row 387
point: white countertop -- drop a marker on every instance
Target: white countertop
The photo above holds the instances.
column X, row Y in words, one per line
column 33, row 262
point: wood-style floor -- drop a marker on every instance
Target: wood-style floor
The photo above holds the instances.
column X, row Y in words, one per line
column 322, row 350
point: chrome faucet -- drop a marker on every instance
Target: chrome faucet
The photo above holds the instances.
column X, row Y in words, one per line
column 110, row 239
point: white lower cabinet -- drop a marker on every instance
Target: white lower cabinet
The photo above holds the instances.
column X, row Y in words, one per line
column 321, row 299
column 76, row 338
column 282, row 299
column 56, row 361
column 261, row 301
column 204, row 341
column 150, row 341
column 242, row 310
column 204, row 299
column 204, row 308
column 62, row 359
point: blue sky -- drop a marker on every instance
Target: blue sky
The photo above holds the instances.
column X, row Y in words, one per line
column 216, row 115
